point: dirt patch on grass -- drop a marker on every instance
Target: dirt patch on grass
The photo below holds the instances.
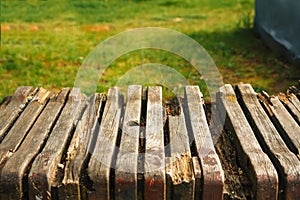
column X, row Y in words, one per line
column 97, row 28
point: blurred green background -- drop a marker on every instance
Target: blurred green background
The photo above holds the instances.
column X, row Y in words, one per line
column 43, row 43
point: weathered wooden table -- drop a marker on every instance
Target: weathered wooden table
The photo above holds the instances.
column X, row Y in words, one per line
column 69, row 146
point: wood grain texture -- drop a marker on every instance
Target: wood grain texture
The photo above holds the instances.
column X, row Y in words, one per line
column 295, row 90
column 286, row 125
column 285, row 161
column 213, row 175
column 14, row 108
column 198, row 177
column 292, row 104
column 154, row 166
column 294, row 100
column 54, row 146
column 18, row 132
column 99, row 167
column 296, row 103
column 42, row 175
column 13, row 184
column 181, row 166
column 253, row 160
column 79, row 149
column 4, row 103
column 126, row 180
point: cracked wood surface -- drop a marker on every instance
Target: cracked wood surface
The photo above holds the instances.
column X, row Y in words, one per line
column 45, row 167
column 126, row 169
column 80, row 148
column 287, row 164
column 154, row 166
column 103, row 154
column 11, row 111
column 67, row 146
column 181, row 166
column 256, row 163
column 213, row 175
column 15, row 168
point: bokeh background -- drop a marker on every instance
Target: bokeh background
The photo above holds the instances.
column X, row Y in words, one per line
column 43, row 43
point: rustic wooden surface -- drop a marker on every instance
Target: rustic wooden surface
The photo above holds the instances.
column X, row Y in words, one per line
column 286, row 125
column 80, row 148
column 213, row 175
column 154, row 166
column 14, row 108
column 18, row 132
column 292, row 104
column 16, row 166
column 68, row 146
column 126, row 180
column 252, row 158
column 104, row 151
column 294, row 100
column 287, row 164
column 44, row 170
column 181, row 166
column 5, row 102
column 295, row 89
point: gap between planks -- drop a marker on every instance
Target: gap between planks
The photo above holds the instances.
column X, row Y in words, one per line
column 253, row 160
column 13, row 179
column 286, row 163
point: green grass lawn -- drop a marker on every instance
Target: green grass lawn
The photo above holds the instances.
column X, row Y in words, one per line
column 43, row 43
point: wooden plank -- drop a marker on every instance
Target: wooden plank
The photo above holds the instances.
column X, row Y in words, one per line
column 253, row 160
column 292, row 104
column 183, row 180
column 80, row 148
column 293, row 99
column 286, row 125
column 44, row 168
column 4, row 103
column 126, row 171
column 99, row 167
column 296, row 103
column 198, row 177
column 14, row 108
column 295, row 90
column 154, row 166
column 285, row 161
column 18, row 132
column 213, row 175
column 14, row 171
